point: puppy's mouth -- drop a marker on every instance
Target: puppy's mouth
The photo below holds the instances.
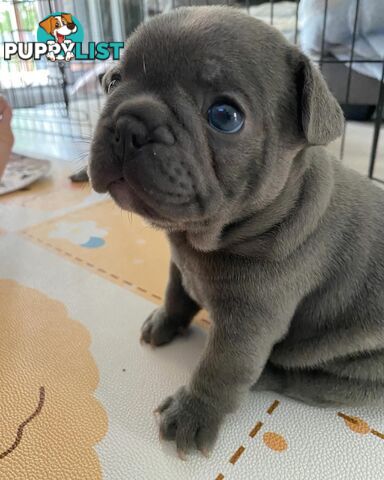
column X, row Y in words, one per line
column 166, row 184
column 125, row 196
column 142, row 202
column 60, row 37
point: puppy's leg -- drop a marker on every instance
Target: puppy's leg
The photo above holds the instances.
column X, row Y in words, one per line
column 174, row 316
column 272, row 379
column 316, row 351
column 81, row 176
column 298, row 385
column 238, row 347
column 368, row 367
column 319, row 388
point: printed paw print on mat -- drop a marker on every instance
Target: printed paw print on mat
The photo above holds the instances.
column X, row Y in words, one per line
column 49, row 419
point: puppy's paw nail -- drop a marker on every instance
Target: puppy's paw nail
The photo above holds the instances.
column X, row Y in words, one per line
column 182, row 455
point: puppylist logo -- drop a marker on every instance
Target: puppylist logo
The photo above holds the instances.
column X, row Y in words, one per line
column 60, row 37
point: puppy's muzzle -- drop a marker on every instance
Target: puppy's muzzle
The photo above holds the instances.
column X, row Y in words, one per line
column 148, row 160
column 144, row 145
column 137, row 127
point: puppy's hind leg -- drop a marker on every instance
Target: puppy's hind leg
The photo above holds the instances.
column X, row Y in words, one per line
column 174, row 316
column 272, row 379
column 318, row 388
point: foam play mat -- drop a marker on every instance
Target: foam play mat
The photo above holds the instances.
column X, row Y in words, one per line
column 78, row 277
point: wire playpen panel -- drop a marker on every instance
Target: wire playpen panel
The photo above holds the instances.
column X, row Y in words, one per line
column 63, row 98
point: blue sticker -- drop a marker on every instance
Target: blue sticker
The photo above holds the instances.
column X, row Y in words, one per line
column 94, row 242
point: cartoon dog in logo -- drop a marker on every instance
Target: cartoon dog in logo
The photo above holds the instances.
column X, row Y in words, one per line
column 59, row 26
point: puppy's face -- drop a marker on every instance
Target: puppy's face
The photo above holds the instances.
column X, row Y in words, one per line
column 59, row 26
column 203, row 117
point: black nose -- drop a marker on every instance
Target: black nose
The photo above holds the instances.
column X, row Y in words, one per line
column 133, row 134
column 71, row 26
column 130, row 134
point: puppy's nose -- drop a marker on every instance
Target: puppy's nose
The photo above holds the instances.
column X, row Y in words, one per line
column 71, row 26
column 132, row 134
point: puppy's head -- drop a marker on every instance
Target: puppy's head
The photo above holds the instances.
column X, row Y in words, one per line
column 204, row 115
column 59, row 25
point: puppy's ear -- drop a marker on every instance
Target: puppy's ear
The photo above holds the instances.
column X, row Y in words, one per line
column 320, row 117
column 67, row 17
column 48, row 24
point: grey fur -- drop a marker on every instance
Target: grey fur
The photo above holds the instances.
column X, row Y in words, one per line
column 283, row 245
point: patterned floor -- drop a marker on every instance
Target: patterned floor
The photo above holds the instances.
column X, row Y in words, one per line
column 77, row 279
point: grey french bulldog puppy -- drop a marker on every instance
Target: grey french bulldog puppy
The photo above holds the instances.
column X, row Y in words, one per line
column 212, row 131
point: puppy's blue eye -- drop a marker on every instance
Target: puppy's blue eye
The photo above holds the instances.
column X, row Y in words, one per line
column 112, row 84
column 225, row 118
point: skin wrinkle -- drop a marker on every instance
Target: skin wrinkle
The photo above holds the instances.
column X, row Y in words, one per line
column 283, row 245
column 262, row 244
column 286, row 205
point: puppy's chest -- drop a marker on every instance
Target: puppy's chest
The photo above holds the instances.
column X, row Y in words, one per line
column 195, row 277
column 199, row 272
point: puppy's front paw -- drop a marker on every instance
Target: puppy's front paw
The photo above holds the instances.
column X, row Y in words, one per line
column 51, row 57
column 69, row 56
column 159, row 328
column 189, row 422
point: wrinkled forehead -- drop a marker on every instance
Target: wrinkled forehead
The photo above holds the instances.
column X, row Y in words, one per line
column 195, row 50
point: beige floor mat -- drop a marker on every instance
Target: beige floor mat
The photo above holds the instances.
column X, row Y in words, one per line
column 77, row 279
